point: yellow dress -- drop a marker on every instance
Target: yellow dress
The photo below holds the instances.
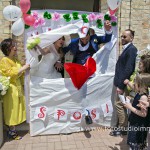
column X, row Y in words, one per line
column 13, row 100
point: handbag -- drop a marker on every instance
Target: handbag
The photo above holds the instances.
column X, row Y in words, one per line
column 88, row 118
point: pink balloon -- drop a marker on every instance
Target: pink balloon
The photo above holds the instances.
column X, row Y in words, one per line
column 28, row 19
column 25, row 5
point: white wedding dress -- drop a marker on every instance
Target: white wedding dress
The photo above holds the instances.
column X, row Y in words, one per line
column 45, row 67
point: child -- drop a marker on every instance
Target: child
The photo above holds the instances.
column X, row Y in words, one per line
column 138, row 118
column 143, row 67
column 144, row 64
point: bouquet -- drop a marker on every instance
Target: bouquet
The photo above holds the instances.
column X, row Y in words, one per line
column 4, row 84
column 31, row 43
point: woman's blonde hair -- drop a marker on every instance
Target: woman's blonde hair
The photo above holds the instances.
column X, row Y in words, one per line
column 143, row 82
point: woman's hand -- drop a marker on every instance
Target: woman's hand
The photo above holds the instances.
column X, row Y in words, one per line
column 59, row 66
column 143, row 104
column 37, row 47
column 126, row 81
column 26, row 66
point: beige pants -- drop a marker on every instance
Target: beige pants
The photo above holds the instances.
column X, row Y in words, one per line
column 121, row 112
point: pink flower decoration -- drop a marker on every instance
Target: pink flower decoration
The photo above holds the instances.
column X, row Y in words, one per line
column 92, row 17
column 100, row 16
column 41, row 21
column 56, row 16
column 113, row 18
column 36, row 24
column 35, row 15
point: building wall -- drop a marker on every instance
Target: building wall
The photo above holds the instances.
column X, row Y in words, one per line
column 5, row 29
column 140, row 22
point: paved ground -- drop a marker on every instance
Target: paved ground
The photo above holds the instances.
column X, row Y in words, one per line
column 93, row 140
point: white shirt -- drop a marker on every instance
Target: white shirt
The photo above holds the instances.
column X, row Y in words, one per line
column 125, row 46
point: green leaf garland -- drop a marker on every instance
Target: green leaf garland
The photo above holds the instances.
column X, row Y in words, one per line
column 67, row 17
column 26, row 26
column 114, row 24
column 99, row 23
column 75, row 15
column 107, row 17
column 84, row 18
column 29, row 11
column 47, row 15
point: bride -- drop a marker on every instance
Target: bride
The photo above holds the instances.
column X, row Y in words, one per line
column 46, row 62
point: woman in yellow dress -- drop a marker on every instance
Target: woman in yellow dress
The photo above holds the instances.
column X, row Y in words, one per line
column 13, row 100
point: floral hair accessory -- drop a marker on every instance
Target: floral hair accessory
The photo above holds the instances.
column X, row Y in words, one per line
column 99, row 23
column 56, row 16
column 67, row 17
column 84, row 18
column 92, row 17
column 47, row 15
column 75, row 15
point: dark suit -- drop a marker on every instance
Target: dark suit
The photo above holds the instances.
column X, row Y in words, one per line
column 94, row 42
column 124, row 68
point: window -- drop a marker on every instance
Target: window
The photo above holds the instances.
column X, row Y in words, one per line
column 79, row 5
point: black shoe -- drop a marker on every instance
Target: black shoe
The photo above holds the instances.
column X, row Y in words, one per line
column 118, row 133
column 115, row 133
column 88, row 119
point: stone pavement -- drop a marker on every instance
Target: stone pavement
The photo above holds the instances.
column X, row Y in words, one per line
column 89, row 140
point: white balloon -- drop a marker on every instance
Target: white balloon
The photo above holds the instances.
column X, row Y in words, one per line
column 12, row 13
column 18, row 27
column 113, row 4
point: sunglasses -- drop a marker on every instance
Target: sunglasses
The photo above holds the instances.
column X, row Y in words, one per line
column 123, row 36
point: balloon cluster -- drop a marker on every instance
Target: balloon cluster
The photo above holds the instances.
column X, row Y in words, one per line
column 14, row 13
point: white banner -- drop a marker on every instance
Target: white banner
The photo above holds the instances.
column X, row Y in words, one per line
column 56, row 106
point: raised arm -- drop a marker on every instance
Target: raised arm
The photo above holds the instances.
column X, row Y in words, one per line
column 42, row 51
column 108, row 33
column 142, row 112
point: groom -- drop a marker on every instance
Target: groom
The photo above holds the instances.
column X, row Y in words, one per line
column 86, row 45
